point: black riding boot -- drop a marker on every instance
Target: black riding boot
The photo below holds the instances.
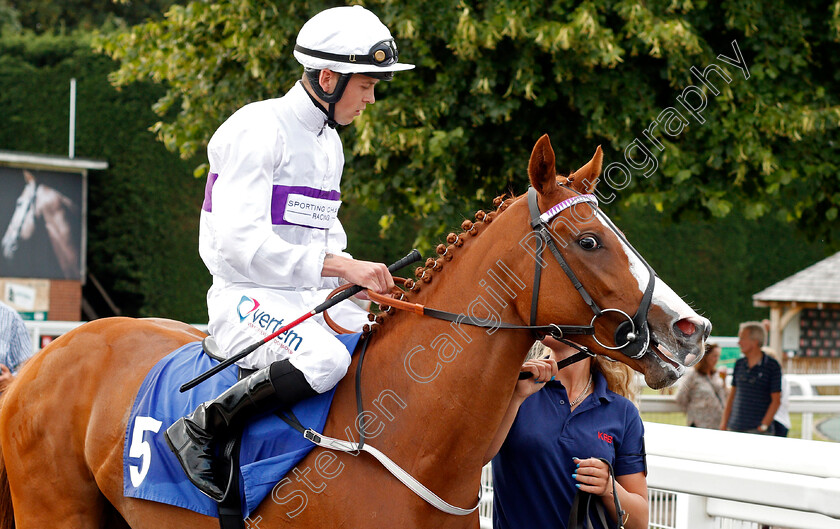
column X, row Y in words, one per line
column 193, row 439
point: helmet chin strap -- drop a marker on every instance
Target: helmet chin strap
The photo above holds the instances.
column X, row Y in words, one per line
column 330, row 98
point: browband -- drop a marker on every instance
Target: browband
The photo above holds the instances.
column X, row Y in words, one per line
column 566, row 204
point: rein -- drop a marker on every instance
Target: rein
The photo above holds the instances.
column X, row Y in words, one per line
column 627, row 333
column 558, row 331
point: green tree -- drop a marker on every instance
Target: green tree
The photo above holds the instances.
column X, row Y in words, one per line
column 493, row 76
column 9, row 19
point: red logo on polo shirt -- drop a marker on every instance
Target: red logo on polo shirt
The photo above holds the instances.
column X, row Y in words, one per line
column 604, row 437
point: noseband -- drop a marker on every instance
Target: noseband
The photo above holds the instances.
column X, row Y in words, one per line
column 632, row 336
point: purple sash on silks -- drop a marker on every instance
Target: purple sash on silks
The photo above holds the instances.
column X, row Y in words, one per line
column 279, row 199
column 270, row 448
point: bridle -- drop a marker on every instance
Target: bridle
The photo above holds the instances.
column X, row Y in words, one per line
column 632, row 336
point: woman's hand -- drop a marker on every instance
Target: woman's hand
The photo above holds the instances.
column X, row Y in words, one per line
column 542, row 369
column 593, row 476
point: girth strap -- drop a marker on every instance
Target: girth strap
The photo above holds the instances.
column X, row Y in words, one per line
column 230, row 507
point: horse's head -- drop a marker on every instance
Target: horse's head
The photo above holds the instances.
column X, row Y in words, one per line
column 22, row 224
column 637, row 318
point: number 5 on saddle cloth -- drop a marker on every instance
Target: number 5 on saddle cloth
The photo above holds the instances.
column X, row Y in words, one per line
column 269, row 447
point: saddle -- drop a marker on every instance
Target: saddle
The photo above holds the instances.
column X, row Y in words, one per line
column 269, row 447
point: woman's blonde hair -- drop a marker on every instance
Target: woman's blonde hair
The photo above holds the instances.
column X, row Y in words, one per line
column 620, row 377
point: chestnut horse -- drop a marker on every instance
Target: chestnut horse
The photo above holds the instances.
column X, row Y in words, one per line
column 433, row 392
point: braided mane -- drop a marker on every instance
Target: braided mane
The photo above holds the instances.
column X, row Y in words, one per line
column 424, row 274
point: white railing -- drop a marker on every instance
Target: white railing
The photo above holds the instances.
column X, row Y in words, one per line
column 798, row 404
column 43, row 332
column 792, row 483
column 707, row 479
column 806, row 386
column 807, row 404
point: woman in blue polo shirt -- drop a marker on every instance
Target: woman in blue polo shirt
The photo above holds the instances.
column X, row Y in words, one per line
column 549, row 443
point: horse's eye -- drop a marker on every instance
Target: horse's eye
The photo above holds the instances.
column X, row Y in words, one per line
column 589, row 242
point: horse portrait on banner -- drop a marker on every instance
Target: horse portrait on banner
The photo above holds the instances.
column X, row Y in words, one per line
column 42, row 212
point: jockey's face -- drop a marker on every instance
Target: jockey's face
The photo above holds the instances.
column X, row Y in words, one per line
column 357, row 95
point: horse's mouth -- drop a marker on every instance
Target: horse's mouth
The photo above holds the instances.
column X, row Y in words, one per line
column 664, row 356
column 660, row 369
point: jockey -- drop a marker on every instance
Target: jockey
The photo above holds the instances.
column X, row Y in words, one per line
column 271, row 238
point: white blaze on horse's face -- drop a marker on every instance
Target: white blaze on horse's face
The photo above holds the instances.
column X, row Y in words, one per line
column 674, row 325
column 22, row 224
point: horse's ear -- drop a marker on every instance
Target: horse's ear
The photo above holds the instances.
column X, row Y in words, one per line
column 584, row 179
column 28, row 176
column 541, row 166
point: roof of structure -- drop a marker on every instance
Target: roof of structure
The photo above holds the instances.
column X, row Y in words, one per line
column 49, row 161
column 819, row 283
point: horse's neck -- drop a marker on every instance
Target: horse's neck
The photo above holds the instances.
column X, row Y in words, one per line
column 49, row 203
column 438, row 391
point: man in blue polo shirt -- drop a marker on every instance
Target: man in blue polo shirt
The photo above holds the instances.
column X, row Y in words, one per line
column 756, row 385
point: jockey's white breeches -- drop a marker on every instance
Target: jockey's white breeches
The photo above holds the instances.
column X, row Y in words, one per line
column 240, row 316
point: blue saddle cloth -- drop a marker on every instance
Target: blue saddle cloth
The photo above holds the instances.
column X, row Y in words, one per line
column 270, row 448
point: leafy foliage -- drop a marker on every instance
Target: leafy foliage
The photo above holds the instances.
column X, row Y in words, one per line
column 717, row 264
column 9, row 19
column 457, row 131
column 49, row 16
column 493, row 76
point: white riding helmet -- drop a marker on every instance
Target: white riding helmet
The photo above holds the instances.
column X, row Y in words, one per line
column 348, row 40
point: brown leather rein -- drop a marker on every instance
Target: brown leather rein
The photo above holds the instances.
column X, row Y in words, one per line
column 386, row 303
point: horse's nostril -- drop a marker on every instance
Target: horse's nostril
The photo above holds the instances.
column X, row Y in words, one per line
column 686, row 327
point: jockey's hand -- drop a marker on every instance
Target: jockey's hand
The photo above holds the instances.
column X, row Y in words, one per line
column 543, row 369
column 593, row 476
column 5, row 377
column 374, row 276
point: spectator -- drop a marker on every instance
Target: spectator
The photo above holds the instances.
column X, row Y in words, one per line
column 702, row 393
column 550, row 442
column 15, row 344
column 756, row 389
column 781, row 421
